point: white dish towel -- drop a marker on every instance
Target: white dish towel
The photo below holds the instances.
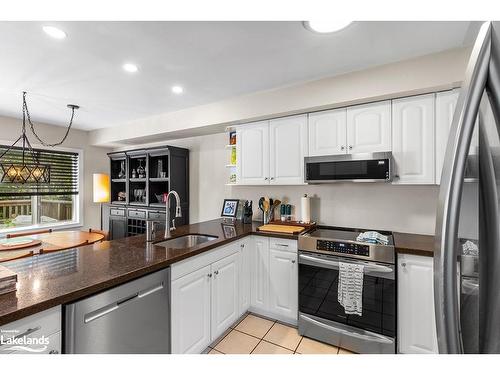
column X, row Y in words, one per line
column 350, row 292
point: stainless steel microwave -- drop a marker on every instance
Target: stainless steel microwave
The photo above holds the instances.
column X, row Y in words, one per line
column 365, row 167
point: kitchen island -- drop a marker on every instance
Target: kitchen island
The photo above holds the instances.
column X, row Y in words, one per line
column 108, row 264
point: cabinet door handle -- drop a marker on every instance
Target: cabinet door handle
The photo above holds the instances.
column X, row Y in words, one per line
column 281, row 244
column 242, row 245
column 342, row 148
column 216, row 272
column 265, row 178
column 272, row 178
column 293, row 261
column 54, row 351
column 209, row 275
column 350, row 147
column 403, row 265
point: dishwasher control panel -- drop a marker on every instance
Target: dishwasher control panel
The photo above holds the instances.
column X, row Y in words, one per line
column 343, row 247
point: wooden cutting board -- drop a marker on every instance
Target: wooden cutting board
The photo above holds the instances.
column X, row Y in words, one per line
column 294, row 223
column 288, row 229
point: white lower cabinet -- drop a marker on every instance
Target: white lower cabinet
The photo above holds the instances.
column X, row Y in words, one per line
column 245, row 263
column 275, row 278
column 205, row 298
column 190, row 312
column 44, row 326
column 260, row 274
column 225, row 298
column 283, row 283
column 416, row 320
column 209, row 292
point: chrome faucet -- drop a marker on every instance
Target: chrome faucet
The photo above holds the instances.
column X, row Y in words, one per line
column 178, row 212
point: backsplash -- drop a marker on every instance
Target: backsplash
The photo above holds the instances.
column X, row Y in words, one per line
column 362, row 205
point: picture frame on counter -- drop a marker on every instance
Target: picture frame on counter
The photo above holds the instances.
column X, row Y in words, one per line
column 230, row 209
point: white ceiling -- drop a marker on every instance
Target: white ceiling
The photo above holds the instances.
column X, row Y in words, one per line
column 211, row 60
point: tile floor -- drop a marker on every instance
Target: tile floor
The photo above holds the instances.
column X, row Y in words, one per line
column 253, row 334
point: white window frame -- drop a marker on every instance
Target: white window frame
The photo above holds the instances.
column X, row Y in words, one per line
column 77, row 221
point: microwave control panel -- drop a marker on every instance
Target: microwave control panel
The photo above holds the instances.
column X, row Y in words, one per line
column 343, row 247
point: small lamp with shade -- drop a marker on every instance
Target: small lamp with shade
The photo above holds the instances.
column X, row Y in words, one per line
column 101, row 187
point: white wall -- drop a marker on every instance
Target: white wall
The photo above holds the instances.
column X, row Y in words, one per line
column 434, row 72
column 95, row 159
column 377, row 206
column 363, row 205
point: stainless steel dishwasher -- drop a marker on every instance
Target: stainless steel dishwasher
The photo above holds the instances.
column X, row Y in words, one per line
column 131, row 318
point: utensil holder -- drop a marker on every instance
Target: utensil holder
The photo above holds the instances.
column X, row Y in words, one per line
column 266, row 217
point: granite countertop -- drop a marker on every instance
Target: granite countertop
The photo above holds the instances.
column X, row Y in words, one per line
column 48, row 280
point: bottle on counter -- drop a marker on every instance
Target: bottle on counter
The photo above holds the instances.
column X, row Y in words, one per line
column 283, row 212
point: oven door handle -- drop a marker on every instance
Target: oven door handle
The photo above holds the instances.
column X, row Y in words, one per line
column 369, row 337
column 335, row 264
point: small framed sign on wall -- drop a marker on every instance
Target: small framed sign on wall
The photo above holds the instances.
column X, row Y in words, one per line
column 230, row 209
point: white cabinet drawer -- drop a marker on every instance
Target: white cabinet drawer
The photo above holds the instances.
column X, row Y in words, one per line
column 189, row 265
column 283, row 244
column 45, row 323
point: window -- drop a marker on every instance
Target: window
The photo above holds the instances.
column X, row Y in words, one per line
column 35, row 205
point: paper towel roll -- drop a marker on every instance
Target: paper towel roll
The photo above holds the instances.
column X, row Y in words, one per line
column 305, row 209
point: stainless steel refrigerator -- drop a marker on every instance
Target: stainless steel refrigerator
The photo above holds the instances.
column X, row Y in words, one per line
column 467, row 248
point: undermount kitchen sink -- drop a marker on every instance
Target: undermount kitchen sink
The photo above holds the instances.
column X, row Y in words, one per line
column 187, row 241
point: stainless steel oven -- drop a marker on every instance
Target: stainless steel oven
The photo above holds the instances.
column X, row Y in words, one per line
column 322, row 317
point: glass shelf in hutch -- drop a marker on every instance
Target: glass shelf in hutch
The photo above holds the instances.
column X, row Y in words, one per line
column 138, row 173
column 118, row 168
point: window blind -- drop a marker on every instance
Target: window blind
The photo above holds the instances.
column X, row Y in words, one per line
column 63, row 173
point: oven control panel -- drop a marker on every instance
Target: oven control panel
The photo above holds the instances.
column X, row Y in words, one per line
column 343, row 247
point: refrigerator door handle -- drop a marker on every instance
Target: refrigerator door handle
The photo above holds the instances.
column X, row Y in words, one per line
column 489, row 215
column 447, row 217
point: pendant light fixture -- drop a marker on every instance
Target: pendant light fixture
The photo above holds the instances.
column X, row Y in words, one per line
column 24, row 167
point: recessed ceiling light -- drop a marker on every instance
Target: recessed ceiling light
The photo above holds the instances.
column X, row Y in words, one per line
column 131, row 68
column 324, row 27
column 177, row 89
column 54, row 32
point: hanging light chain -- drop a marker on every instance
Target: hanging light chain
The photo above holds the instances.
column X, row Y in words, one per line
column 32, row 126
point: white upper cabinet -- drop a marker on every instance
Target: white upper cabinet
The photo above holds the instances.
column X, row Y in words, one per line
column 288, row 147
column 369, row 127
column 413, row 139
column 252, row 150
column 328, row 132
column 446, row 102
